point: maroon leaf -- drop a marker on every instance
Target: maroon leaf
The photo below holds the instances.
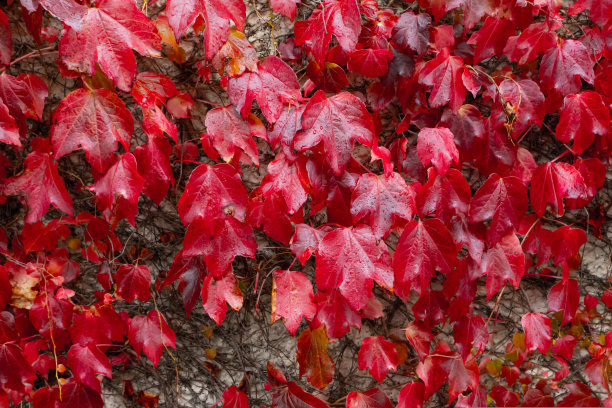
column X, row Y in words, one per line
column 411, row 32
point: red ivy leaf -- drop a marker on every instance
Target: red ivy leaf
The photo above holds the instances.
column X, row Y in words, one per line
column 282, row 176
column 491, row 38
column 15, row 371
column 234, row 398
column 504, row 262
column 537, row 332
column 563, row 66
column 582, row 117
column 374, row 398
column 152, row 334
column 551, row 183
column 217, row 292
column 424, row 246
column 292, row 299
column 412, row 32
column 378, row 356
column 6, row 40
column 94, row 121
column 133, row 282
column 273, row 85
column 212, row 191
column 86, row 361
column 565, row 296
column 349, row 259
column 436, row 146
column 579, row 396
column 182, row 13
column 336, row 122
column 107, row 36
column 335, row 312
column 119, row 189
column 40, row 185
column 381, row 201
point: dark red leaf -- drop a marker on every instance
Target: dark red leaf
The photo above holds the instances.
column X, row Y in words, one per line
column 563, row 66
column 133, row 282
column 86, row 361
column 551, row 183
column 579, row 396
column 582, row 117
column 336, row 313
column 412, row 32
column 373, row 398
column 504, row 262
column 234, row 398
column 565, row 296
column 491, row 38
column 378, row 356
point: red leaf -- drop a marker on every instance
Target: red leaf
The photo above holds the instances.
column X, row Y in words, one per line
column 600, row 12
column 504, row 262
column 338, row 17
column 154, row 166
column 292, row 299
column 234, row 398
column 119, row 189
column 9, row 132
column 229, row 133
column 420, row 337
column 76, row 394
column 491, row 38
column 527, row 102
column 445, row 196
column 564, row 346
column 335, row 312
column 86, row 361
column 269, row 215
column 217, row 292
column 525, row 47
column 563, row 66
column 273, row 85
column 282, row 176
column 412, row 32
column 536, row 398
column 566, row 242
column 349, row 259
column 440, row 7
column 579, row 396
column 313, row 358
column 537, row 332
column 502, row 199
column 370, row 62
column 40, row 185
column 582, row 117
column 292, row 395
column 565, row 296
column 551, row 183
column 182, row 13
column 15, row 371
column 503, row 397
column 285, row 7
column 435, row 146
column 211, row 192
column 328, row 77
column 336, row 122
column 69, row 12
column 470, row 332
column 241, row 54
column 6, row 40
column 305, row 241
column 152, row 334
column 94, row 121
column 381, row 201
column 107, row 36
column 378, row 356
column 150, row 88
column 445, row 74
column 374, row 398
column 424, row 246
column 411, row 396
column 133, row 282
column 220, row 241
column 24, row 97
column 191, row 270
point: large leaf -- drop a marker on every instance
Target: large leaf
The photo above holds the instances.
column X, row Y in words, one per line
column 133, row 282
column 349, row 259
column 563, row 66
column 217, row 15
column 40, row 185
column 378, row 356
column 94, row 121
column 87, row 361
column 436, row 146
column 551, row 183
column 382, row 201
column 152, row 334
column 537, row 332
column 412, row 32
column 582, row 117
column 107, row 36
column 373, row 398
column 424, row 247
column 335, row 122
column 273, row 85
column 502, row 263
column 292, row 299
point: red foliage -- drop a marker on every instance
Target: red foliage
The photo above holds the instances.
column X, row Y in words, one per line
column 445, row 101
